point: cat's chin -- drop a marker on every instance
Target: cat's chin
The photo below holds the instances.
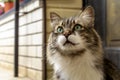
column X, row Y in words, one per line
column 73, row 52
column 69, row 49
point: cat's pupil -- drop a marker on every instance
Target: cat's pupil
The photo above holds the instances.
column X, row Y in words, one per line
column 77, row 27
column 60, row 29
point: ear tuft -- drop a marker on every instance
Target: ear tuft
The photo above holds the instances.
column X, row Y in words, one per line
column 89, row 11
column 54, row 17
column 88, row 16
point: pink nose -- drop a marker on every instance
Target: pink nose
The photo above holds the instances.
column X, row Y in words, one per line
column 67, row 33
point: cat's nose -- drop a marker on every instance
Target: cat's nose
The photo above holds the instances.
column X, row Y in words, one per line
column 67, row 33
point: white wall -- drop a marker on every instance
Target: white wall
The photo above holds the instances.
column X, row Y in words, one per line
column 30, row 41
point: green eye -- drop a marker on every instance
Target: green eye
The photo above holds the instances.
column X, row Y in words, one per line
column 60, row 29
column 77, row 27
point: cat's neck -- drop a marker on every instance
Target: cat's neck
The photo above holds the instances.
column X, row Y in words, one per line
column 82, row 67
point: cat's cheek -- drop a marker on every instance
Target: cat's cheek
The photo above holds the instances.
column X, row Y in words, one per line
column 77, row 39
column 74, row 39
column 61, row 40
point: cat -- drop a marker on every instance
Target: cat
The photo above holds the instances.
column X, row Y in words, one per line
column 75, row 49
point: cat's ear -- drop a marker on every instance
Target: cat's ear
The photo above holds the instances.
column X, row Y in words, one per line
column 88, row 16
column 55, row 18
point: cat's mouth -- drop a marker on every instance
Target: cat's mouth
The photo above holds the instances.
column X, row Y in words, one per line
column 69, row 43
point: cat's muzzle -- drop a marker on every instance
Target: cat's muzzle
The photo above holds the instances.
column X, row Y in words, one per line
column 69, row 43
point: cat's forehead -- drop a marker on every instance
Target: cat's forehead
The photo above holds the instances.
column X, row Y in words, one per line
column 71, row 21
column 68, row 20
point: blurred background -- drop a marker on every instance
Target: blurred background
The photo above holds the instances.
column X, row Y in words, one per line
column 24, row 31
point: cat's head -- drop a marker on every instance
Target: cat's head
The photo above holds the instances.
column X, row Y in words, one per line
column 74, row 34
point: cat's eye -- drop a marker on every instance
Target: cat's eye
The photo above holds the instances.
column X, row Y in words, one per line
column 60, row 29
column 77, row 27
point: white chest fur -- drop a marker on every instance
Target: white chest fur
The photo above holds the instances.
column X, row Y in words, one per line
column 79, row 68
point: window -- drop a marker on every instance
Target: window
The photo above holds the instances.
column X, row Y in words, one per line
column 9, row 7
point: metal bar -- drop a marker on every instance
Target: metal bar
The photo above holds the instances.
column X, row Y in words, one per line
column 44, row 60
column 84, row 3
column 16, row 42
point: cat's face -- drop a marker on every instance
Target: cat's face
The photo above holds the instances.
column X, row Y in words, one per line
column 74, row 34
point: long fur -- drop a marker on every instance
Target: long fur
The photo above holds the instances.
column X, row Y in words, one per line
column 78, row 54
